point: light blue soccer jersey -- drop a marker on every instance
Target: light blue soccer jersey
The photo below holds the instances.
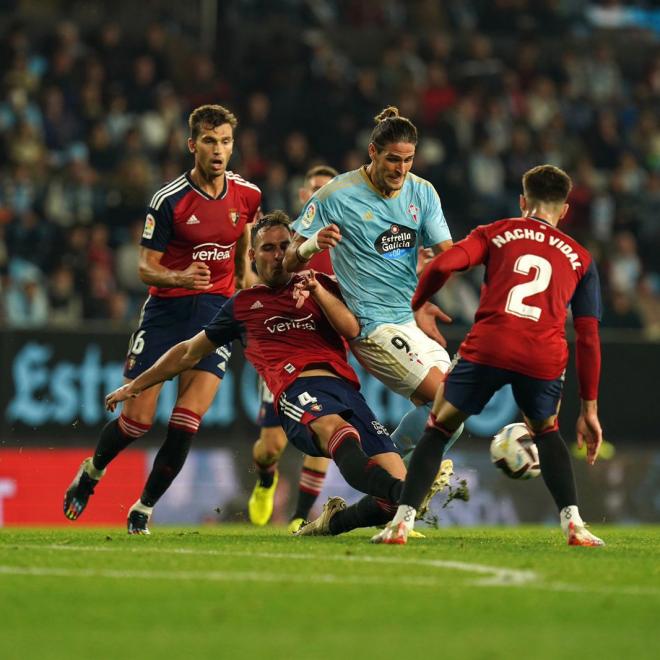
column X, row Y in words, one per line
column 375, row 262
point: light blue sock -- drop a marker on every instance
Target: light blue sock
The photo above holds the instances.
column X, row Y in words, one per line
column 410, row 428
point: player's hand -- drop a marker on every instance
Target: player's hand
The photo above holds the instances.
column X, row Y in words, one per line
column 589, row 433
column 197, row 276
column 328, row 237
column 302, row 289
column 427, row 317
column 120, row 394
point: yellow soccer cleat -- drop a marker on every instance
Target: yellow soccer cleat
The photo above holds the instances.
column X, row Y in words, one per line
column 414, row 534
column 260, row 505
column 441, row 481
column 295, row 525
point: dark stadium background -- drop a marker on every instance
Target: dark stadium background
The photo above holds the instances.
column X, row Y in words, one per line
column 93, row 119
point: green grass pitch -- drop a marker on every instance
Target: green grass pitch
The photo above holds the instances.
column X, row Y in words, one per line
column 233, row 591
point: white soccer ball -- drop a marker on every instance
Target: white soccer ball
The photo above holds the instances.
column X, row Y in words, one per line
column 514, row 452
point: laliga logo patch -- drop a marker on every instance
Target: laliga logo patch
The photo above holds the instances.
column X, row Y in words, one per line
column 149, row 226
column 309, row 214
column 396, row 242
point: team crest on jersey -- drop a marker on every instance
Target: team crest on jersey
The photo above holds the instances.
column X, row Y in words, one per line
column 309, row 214
column 414, row 211
column 149, row 226
column 234, row 216
column 396, row 242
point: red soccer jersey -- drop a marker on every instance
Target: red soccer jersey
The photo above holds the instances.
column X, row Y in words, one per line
column 188, row 225
column 533, row 272
column 282, row 341
column 321, row 262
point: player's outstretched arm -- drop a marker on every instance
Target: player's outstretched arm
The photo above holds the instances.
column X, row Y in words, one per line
column 302, row 249
column 197, row 276
column 184, row 355
column 340, row 317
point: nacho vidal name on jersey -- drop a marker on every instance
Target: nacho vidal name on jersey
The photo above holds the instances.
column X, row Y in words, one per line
column 277, row 324
column 212, row 252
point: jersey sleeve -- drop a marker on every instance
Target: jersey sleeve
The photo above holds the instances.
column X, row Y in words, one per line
column 158, row 227
column 475, row 244
column 314, row 216
column 434, row 228
column 224, row 327
column 587, row 300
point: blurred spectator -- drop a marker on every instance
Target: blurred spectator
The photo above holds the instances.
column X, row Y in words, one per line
column 65, row 305
column 26, row 302
column 620, row 312
column 625, row 264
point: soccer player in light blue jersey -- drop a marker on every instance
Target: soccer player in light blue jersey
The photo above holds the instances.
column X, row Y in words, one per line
column 374, row 220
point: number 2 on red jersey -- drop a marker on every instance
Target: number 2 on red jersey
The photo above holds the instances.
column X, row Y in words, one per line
column 542, row 273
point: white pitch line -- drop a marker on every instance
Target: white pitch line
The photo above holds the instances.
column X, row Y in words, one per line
column 496, row 576
column 219, row 576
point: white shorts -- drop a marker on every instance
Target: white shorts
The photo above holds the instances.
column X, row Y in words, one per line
column 400, row 356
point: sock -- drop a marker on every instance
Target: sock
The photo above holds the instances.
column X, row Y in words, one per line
column 556, row 468
column 266, row 474
column 138, row 506
column 424, row 464
column 172, row 455
column 450, row 443
column 568, row 515
column 410, row 429
column 368, row 512
column 116, row 435
column 309, row 488
column 361, row 472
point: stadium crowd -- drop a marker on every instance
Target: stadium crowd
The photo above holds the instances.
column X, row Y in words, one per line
column 93, row 119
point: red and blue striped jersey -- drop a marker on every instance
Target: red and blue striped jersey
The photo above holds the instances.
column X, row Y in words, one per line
column 187, row 225
column 533, row 273
column 281, row 340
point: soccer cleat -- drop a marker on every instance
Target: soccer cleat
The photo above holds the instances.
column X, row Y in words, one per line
column 260, row 504
column 580, row 535
column 138, row 519
column 321, row 526
column 440, row 482
column 414, row 534
column 295, row 525
column 392, row 534
column 80, row 490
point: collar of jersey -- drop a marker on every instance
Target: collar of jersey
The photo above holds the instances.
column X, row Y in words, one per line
column 205, row 194
column 365, row 176
column 545, row 222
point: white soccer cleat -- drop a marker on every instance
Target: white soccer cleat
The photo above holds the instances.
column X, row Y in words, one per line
column 321, row 526
column 441, row 481
column 580, row 535
column 392, row 534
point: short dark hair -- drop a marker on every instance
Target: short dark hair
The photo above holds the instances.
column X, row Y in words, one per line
column 272, row 219
column 321, row 170
column 390, row 127
column 546, row 183
column 213, row 115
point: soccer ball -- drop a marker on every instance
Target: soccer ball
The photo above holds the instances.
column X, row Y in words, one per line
column 513, row 451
